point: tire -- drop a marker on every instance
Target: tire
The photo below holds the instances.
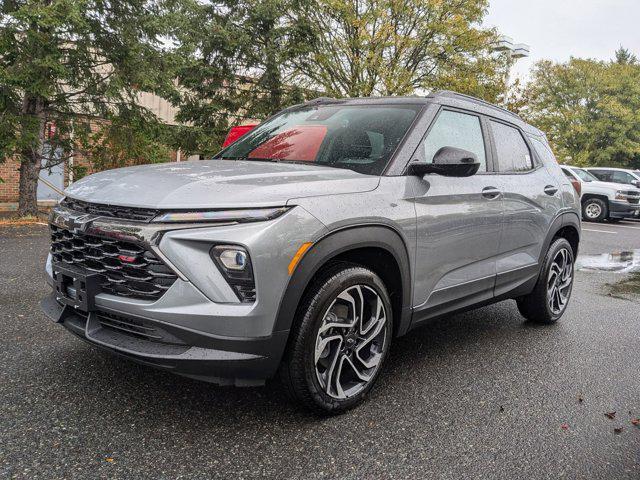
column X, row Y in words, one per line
column 537, row 306
column 324, row 382
column 594, row 210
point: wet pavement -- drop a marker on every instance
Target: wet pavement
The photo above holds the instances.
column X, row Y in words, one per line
column 623, row 262
column 477, row 395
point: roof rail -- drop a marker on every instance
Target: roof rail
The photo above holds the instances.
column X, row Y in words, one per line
column 479, row 101
column 319, row 100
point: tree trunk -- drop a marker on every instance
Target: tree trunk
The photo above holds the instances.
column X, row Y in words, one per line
column 28, row 192
column 30, row 160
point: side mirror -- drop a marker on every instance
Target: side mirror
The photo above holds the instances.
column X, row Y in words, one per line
column 448, row 162
column 636, row 183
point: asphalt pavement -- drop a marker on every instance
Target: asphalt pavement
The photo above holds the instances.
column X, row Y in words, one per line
column 478, row 395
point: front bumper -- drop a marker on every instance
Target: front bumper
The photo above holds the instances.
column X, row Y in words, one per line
column 205, row 331
column 225, row 361
column 623, row 210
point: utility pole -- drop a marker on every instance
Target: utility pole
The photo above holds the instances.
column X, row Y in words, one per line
column 514, row 52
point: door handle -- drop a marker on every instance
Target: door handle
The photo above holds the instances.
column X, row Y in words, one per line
column 490, row 192
column 550, row 189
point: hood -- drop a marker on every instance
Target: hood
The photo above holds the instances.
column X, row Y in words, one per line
column 216, row 184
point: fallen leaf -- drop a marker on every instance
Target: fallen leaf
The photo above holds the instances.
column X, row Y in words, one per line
column 580, row 399
column 564, row 426
column 109, row 459
column 636, row 422
column 617, row 430
column 610, row 415
column 501, row 409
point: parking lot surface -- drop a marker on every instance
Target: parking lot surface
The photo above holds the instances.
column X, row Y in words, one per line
column 477, row 395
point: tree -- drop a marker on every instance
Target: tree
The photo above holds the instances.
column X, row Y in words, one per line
column 589, row 109
column 625, row 57
column 398, row 47
column 241, row 64
column 66, row 63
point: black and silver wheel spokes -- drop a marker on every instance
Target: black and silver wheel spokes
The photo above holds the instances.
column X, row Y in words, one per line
column 559, row 281
column 350, row 342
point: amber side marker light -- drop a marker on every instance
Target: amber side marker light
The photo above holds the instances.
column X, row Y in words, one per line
column 298, row 256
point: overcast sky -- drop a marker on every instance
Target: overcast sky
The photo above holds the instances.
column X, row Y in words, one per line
column 558, row 29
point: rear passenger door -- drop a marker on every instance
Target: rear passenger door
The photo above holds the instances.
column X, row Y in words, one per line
column 532, row 200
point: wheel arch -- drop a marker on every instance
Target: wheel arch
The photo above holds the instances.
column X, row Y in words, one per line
column 378, row 247
column 566, row 225
column 588, row 196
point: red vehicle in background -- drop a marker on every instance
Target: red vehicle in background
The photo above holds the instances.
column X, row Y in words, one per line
column 236, row 132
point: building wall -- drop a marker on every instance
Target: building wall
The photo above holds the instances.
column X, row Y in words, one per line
column 9, row 172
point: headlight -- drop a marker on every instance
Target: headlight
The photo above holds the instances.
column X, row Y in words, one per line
column 621, row 195
column 235, row 265
column 222, row 216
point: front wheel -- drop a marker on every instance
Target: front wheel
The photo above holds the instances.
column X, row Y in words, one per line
column 594, row 210
column 341, row 337
column 552, row 292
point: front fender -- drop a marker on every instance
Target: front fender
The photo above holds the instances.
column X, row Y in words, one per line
column 334, row 244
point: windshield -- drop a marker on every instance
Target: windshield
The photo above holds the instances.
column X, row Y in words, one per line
column 584, row 175
column 355, row 137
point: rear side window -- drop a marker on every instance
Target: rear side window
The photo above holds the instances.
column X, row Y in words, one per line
column 512, row 151
column 459, row 130
column 544, row 151
column 603, row 175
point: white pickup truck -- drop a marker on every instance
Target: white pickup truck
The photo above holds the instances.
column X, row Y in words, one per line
column 604, row 200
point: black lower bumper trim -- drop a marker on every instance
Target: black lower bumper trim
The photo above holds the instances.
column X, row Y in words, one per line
column 225, row 361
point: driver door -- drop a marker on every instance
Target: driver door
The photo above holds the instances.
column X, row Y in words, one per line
column 458, row 221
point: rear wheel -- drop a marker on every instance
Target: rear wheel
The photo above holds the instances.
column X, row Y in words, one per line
column 552, row 292
column 340, row 340
column 594, row 210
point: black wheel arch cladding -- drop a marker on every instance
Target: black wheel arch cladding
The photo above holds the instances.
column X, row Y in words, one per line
column 331, row 247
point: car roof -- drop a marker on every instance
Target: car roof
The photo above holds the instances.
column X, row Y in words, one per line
column 441, row 97
column 612, row 168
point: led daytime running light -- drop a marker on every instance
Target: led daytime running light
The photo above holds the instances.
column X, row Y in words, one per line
column 220, row 216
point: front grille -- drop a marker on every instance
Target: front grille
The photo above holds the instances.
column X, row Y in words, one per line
column 126, row 269
column 113, row 211
column 633, row 197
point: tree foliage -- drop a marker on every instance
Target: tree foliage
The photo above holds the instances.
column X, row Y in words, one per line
column 65, row 62
column 399, row 47
column 241, row 65
column 589, row 109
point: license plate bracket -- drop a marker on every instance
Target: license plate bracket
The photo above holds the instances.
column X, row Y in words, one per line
column 75, row 289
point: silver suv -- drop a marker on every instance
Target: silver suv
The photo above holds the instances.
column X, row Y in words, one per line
column 304, row 248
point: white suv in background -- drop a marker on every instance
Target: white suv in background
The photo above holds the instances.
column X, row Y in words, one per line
column 604, row 200
column 616, row 175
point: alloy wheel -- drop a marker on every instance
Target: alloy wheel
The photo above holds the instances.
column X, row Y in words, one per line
column 350, row 342
column 559, row 281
